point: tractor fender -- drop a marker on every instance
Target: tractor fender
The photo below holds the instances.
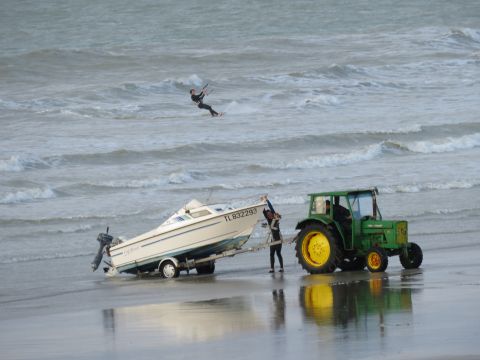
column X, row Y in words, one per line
column 302, row 224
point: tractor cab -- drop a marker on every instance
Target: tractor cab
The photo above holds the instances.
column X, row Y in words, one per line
column 345, row 211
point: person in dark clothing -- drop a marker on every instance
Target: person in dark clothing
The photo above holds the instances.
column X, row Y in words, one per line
column 341, row 215
column 198, row 99
column 273, row 220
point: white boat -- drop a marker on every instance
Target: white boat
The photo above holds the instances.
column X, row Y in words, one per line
column 195, row 231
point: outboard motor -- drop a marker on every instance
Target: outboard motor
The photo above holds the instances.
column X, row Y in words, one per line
column 105, row 240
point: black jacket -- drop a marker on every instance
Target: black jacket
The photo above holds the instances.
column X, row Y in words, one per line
column 198, row 98
column 274, row 225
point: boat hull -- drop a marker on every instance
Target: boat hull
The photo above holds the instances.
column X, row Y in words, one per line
column 210, row 235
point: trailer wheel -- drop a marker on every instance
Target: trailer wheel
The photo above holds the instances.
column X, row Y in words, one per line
column 317, row 249
column 353, row 263
column 377, row 259
column 207, row 268
column 168, row 269
column 413, row 257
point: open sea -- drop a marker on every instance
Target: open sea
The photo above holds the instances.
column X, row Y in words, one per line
column 97, row 127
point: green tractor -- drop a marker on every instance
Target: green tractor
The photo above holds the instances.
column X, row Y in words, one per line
column 345, row 229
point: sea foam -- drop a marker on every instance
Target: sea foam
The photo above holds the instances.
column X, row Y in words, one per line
column 329, row 160
column 429, row 186
column 445, row 145
column 28, row 195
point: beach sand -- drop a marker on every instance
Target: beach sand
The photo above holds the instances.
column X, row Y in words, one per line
column 427, row 313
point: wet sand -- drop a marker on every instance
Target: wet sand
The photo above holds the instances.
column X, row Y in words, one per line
column 428, row 313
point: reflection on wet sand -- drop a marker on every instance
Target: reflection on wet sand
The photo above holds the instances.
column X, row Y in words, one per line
column 362, row 304
column 334, row 307
column 278, row 318
column 189, row 321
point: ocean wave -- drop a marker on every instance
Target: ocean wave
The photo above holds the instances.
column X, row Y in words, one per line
column 448, row 144
column 344, row 71
column 115, row 214
column 376, row 140
column 289, row 200
column 331, row 160
column 192, row 80
column 253, row 184
column 320, row 100
column 235, row 108
column 276, row 200
column 71, row 230
column 20, row 163
column 69, row 57
column 26, row 162
column 445, row 211
column 465, row 35
column 181, row 177
column 66, row 229
column 166, row 85
column 28, row 195
column 132, row 155
column 54, row 256
column 430, row 186
column 334, row 71
column 414, row 128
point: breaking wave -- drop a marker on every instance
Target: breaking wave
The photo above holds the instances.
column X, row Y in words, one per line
column 374, row 142
column 322, row 161
column 429, row 186
column 254, row 184
column 445, row 145
column 54, row 256
column 320, row 100
column 181, row 177
column 21, row 163
column 235, row 108
column 28, row 195
column 465, row 35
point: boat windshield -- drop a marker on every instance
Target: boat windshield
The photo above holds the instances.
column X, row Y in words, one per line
column 219, row 208
column 199, row 213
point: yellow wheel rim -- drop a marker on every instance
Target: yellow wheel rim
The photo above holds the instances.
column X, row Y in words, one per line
column 316, row 249
column 374, row 261
column 376, row 286
column 319, row 302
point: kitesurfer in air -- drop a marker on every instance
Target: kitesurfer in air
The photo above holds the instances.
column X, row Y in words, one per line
column 198, row 99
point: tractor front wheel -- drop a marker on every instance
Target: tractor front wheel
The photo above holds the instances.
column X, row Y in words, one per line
column 413, row 256
column 377, row 259
column 317, row 249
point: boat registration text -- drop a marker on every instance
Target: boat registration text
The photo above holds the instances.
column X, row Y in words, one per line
column 240, row 214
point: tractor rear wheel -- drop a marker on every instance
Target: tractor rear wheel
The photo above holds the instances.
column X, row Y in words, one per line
column 317, row 249
column 377, row 259
column 413, row 257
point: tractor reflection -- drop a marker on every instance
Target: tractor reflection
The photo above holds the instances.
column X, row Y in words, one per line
column 364, row 304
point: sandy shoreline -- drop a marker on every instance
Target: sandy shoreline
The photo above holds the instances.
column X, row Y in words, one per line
column 429, row 313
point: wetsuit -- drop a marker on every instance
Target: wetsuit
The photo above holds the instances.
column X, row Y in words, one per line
column 275, row 229
column 198, row 99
